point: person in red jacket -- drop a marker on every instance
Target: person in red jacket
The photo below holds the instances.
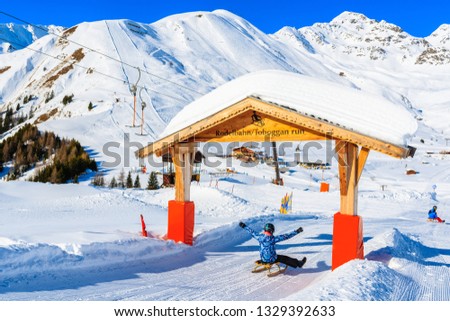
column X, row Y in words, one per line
column 267, row 242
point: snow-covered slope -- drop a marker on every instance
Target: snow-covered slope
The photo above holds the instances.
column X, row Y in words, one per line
column 178, row 59
column 77, row 242
column 15, row 36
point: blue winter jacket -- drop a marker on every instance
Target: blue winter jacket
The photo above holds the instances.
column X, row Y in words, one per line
column 267, row 243
column 432, row 215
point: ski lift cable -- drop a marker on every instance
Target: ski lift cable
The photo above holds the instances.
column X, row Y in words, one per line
column 99, row 52
column 156, row 116
column 131, row 88
column 91, row 69
column 144, row 105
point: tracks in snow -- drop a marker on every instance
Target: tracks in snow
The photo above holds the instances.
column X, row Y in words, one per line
column 215, row 269
column 222, row 271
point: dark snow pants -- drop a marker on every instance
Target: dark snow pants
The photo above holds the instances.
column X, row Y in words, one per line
column 287, row 260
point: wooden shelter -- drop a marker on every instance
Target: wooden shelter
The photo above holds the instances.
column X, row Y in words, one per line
column 254, row 119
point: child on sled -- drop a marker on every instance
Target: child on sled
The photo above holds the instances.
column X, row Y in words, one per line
column 267, row 242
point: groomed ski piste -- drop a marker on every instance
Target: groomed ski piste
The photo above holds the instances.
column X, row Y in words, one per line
column 78, row 242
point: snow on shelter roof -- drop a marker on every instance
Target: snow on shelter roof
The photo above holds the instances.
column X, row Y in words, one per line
column 365, row 113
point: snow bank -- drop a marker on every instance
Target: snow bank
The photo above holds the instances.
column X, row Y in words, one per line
column 350, row 108
column 398, row 268
column 358, row 280
column 23, row 260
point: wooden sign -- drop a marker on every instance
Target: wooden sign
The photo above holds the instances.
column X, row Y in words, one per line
column 256, row 127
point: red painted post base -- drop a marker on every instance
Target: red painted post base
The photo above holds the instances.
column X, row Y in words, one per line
column 347, row 239
column 181, row 222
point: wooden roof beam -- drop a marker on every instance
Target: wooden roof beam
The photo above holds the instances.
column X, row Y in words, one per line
column 328, row 130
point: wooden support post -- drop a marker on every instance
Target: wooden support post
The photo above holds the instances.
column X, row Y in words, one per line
column 142, row 122
column 134, row 109
column 347, row 226
column 348, row 177
column 277, row 166
column 362, row 158
column 183, row 159
column 182, row 210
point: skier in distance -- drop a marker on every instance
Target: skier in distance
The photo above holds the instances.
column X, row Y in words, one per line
column 433, row 216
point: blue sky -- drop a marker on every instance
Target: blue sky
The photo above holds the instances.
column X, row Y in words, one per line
column 419, row 18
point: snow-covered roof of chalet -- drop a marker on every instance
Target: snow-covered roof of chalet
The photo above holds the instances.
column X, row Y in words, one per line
column 351, row 108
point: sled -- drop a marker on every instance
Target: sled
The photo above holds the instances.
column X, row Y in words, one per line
column 434, row 221
column 271, row 268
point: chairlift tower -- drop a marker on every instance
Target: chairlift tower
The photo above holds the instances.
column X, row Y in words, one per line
column 133, row 90
column 143, row 105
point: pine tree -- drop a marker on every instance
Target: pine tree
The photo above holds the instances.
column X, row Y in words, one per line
column 152, row 182
column 54, row 176
column 67, row 99
column 8, row 121
column 137, row 182
column 98, row 180
column 49, row 96
column 121, row 179
column 31, row 114
column 20, row 156
column 90, row 107
column 1, row 160
column 113, row 183
column 129, row 181
column 28, row 146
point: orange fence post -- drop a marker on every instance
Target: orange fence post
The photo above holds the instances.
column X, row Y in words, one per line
column 144, row 230
column 324, row 187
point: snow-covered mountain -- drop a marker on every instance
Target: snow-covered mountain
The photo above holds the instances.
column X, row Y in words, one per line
column 179, row 58
column 15, row 36
column 356, row 36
